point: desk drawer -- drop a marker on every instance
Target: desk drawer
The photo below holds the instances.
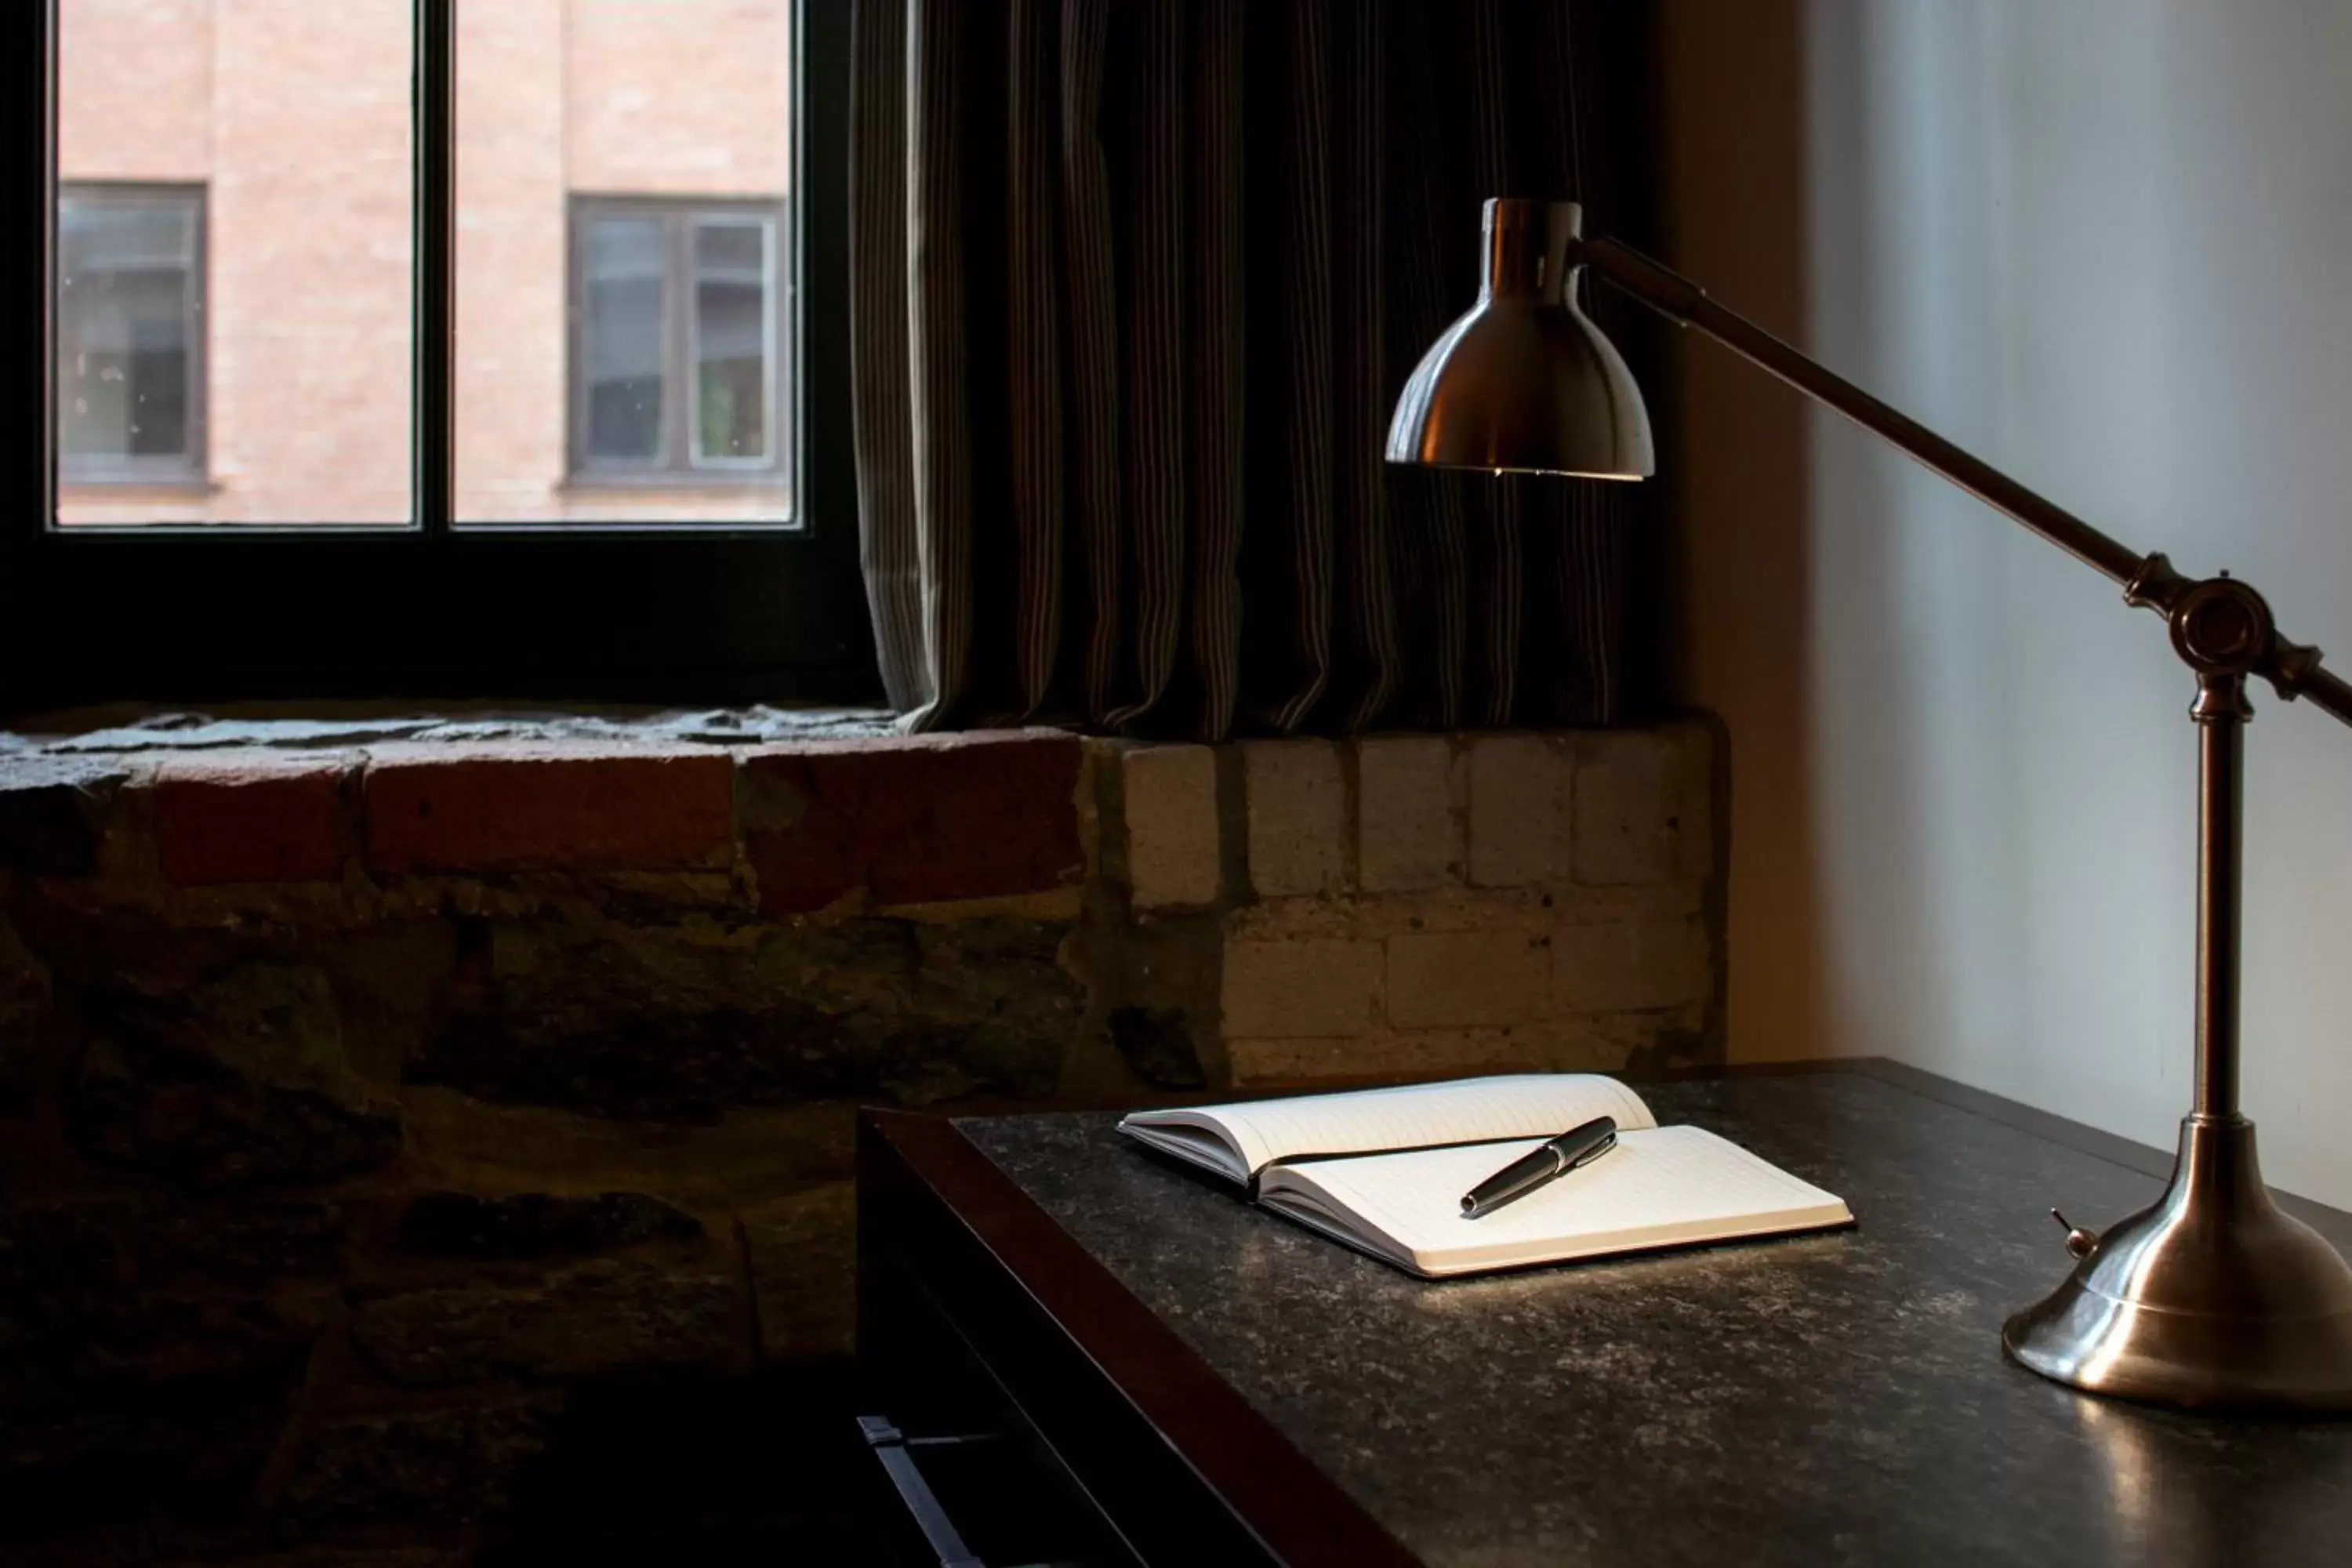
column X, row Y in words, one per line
column 976, row 1315
column 959, row 1479
column 977, row 1500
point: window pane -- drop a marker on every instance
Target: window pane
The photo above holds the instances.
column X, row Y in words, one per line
column 626, row 261
column 624, row 180
column 126, row 325
column 235, row 292
column 127, row 234
column 732, row 333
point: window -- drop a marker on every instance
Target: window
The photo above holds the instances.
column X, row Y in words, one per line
column 413, row 347
column 130, row 354
column 679, row 334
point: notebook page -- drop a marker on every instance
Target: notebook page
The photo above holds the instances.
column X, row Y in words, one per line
column 1656, row 1188
column 1518, row 1105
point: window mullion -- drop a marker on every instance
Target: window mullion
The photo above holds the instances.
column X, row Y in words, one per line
column 436, row 198
column 679, row 400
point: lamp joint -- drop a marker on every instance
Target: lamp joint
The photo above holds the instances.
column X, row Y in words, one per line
column 2291, row 667
column 2221, row 700
column 2221, row 626
column 2156, row 585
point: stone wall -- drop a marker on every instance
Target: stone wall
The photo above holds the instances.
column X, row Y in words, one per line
column 375, row 1120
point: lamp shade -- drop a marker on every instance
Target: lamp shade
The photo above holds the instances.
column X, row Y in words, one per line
column 1525, row 382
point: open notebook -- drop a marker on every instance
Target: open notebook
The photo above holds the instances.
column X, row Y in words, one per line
column 1384, row 1170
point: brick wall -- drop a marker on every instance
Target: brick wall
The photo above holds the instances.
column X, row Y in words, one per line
column 1422, row 905
column 371, row 1118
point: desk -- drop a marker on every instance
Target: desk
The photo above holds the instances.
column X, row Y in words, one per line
column 1186, row 1379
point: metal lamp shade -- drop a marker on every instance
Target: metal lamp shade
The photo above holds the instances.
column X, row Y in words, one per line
column 1525, row 382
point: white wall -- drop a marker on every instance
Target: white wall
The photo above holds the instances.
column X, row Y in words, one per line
column 2107, row 245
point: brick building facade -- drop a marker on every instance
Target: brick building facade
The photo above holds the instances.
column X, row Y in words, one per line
column 236, row 260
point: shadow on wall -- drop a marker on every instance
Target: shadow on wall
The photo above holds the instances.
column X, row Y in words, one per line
column 1732, row 106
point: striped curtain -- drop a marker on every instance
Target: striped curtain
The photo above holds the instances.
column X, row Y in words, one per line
column 1133, row 286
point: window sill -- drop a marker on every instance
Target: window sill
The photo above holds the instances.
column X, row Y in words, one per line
column 137, row 729
column 669, row 483
column 796, row 810
column 71, row 488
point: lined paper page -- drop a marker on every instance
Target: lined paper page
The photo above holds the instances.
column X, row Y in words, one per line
column 1661, row 1187
column 1518, row 1105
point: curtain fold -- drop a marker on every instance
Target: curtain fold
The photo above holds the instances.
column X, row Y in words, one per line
column 1133, row 286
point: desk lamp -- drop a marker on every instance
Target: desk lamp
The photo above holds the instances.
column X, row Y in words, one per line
column 2210, row 1296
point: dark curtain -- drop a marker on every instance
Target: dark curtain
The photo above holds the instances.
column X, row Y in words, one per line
column 1134, row 285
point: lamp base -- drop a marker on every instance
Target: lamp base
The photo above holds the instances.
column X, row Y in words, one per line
column 2213, row 1296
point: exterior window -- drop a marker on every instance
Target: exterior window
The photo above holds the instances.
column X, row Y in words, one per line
column 424, row 348
column 679, row 340
column 130, row 325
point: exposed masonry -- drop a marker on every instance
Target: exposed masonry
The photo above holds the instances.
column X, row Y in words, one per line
column 1419, row 904
column 1401, row 904
column 365, row 1102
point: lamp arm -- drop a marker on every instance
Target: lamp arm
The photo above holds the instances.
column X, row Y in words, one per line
column 2148, row 580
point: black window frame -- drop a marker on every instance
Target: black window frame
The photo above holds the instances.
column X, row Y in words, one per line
column 677, row 468
column 687, row 613
column 191, row 470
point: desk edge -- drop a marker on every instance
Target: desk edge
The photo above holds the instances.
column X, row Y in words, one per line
column 1297, row 1513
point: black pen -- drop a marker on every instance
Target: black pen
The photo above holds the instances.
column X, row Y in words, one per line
column 1577, row 1146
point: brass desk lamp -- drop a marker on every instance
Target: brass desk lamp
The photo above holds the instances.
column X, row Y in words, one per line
column 2212, row 1295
